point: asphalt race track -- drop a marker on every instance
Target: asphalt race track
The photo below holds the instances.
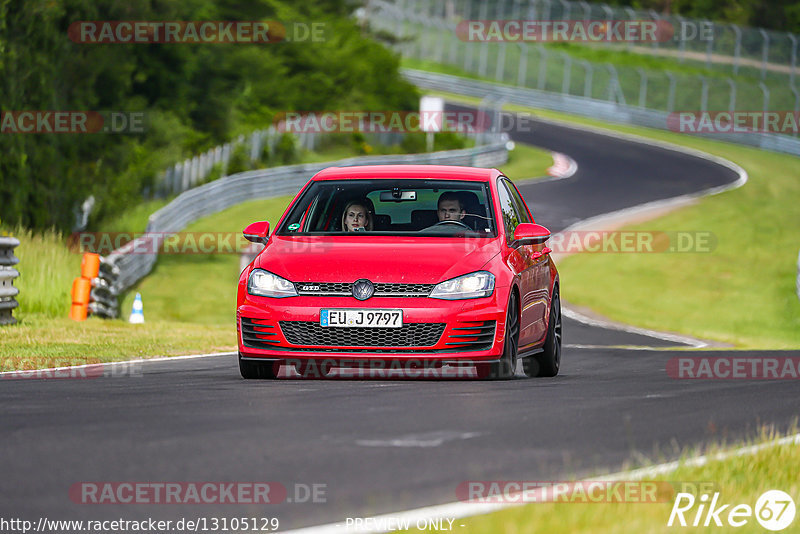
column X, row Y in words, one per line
column 381, row 445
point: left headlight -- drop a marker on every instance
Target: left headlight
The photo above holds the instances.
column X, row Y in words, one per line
column 265, row 284
column 468, row 286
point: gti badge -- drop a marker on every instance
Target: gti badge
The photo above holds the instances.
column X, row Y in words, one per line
column 363, row 289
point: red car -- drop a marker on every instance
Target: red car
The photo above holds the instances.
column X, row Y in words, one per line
column 401, row 267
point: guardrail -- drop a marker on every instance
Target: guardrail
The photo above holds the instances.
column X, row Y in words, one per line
column 587, row 107
column 231, row 190
column 7, row 275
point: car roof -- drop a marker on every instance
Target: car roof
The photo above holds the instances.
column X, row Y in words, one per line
column 413, row 172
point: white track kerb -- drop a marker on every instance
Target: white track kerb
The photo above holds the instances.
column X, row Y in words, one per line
column 458, row 510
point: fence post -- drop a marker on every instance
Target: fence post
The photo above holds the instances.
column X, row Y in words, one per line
column 704, row 94
column 671, row 96
column 642, row 87
column 793, row 39
column 765, row 90
column 7, row 275
column 523, row 64
column 587, row 82
column 565, row 78
column 764, row 53
column 737, row 48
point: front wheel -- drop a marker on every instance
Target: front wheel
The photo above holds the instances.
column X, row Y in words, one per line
column 547, row 363
column 250, row 369
column 504, row 369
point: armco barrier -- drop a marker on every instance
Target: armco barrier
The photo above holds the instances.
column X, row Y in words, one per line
column 231, row 190
column 587, row 107
column 7, row 274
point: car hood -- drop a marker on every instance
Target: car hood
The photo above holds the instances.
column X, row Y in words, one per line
column 345, row 259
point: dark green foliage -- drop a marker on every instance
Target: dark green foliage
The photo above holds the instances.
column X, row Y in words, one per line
column 194, row 96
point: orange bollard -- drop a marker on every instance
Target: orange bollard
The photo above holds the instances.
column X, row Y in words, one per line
column 90, row 265
column 78, row 312
column 81, row 289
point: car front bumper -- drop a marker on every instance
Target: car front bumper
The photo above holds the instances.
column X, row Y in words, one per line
column 434, row 331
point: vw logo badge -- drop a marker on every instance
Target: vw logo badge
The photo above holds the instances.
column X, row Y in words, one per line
column 363, row 289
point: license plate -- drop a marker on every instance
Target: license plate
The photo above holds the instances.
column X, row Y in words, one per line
column 355, row 318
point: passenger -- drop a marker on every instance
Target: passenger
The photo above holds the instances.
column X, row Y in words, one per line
column 357, row 216
column 451, row 208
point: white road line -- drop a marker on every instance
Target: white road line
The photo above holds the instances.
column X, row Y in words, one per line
column 460, row 509
column 426, row 439
column 675, row 338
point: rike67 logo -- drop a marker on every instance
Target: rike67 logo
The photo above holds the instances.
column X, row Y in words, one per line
column 774, row 510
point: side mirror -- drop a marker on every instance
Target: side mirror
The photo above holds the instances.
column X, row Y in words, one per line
column 527, row 233
column 257, row 232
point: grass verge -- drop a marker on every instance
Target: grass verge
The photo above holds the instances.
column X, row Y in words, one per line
column 742, row 293
column 738, row 479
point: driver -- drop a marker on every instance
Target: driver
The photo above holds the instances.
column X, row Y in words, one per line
column 357, row 216
column 451, row 208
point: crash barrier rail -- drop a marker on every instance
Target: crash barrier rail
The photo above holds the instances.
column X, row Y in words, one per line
column 429, row 31
column 196, row 170
column 134, row 260
column 587, row 107
column 7, row 275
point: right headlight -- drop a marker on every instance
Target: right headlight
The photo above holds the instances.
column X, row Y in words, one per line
column 469, row 286
column 265, row 284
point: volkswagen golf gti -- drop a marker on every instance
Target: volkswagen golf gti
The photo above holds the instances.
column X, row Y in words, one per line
column 405, row 267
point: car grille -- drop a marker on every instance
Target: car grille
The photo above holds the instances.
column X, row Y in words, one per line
column 409, row 335
column 478, row 335
column 258, row 335
column 332, row 289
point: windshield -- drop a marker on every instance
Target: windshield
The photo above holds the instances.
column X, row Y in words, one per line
column 436, row 208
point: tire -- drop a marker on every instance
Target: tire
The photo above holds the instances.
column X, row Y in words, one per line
column 547, row 363
column 505, row 367
column 250, row 369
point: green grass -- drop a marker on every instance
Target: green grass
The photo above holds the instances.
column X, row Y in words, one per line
column 527, row 161
column 41, row 342
column 739, row 480
column 742, row 293
column 47, row 269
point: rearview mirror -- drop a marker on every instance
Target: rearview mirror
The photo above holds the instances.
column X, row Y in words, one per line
column 527, row 233
column 257, row 232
